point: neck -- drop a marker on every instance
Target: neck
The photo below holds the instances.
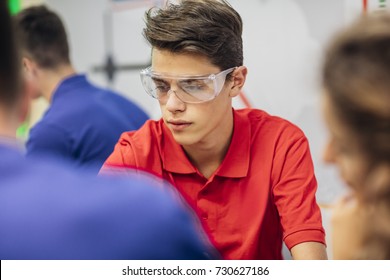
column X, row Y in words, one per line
column 51, row 78
column 8, row 124
column 208, row 154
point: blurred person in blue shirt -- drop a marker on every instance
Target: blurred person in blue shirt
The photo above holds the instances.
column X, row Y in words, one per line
column 50, row 212
column 83, row 122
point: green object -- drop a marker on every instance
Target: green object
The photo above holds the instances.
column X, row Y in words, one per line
column 22, row 131
column 14, row 6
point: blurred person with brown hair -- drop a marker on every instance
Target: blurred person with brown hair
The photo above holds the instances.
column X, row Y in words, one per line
column 356, row 105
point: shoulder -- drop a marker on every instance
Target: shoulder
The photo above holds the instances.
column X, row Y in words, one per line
column 139, row 148
column 148, row 135
column 263, row 124
column 47, row 130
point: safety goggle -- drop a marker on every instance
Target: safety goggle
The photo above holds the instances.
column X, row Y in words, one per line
column 189, row 89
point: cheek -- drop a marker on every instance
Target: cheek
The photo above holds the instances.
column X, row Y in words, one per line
column 346, row 170
column 205, row 117
column 206, row 112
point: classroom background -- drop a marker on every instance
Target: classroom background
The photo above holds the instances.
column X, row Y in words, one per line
column 283, row 45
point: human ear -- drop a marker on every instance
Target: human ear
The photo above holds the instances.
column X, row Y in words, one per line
column 29, row 66
column 238, row 78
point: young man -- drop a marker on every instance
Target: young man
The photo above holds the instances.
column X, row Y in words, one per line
column 83, row 122
column 248, row 175
column 49, row 213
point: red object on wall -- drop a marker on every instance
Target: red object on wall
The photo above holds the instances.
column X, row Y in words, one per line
column 245, row 100
column 365, row 6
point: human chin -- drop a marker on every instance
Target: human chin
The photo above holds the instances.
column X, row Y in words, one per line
column 184, row 139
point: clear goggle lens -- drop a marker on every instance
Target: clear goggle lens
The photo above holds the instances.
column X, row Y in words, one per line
column 189, row 89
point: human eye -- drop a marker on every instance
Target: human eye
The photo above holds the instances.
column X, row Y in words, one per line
column 193, row 86
column 161, row 86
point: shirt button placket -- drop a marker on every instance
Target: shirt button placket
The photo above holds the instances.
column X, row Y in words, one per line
column 203, row 202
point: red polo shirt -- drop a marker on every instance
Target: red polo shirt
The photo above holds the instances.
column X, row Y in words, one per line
column 262, row 193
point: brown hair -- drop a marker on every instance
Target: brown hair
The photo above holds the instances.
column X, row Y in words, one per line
column 356, row 75
column 42, row 35
column 210, row 28
column 10, row 72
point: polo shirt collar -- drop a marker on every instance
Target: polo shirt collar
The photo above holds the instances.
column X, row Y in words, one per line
column 173, row 155
column 235, row 164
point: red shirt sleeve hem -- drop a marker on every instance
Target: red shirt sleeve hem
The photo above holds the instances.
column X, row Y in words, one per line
column 302, row 236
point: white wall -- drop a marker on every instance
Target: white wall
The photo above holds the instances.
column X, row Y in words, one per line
column 85, row 24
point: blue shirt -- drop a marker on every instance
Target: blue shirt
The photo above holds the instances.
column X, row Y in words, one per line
column 83, row 123
column 49, row 213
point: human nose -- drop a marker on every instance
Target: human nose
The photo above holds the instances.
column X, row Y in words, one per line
column 173, row 102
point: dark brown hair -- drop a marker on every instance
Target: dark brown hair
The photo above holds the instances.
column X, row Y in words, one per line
column 42, row 35
column 10, row 75
column 210, row 28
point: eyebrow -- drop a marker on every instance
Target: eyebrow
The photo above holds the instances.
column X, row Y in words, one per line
column 159, row 80
column 189, row 80
column 184, row 80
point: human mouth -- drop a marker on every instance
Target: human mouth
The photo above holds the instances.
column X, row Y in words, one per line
column 178, row 125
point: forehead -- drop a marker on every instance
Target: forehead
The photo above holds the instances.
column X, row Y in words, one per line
column 181, row 63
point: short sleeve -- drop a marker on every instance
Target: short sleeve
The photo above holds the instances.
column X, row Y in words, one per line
column 294, row 192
